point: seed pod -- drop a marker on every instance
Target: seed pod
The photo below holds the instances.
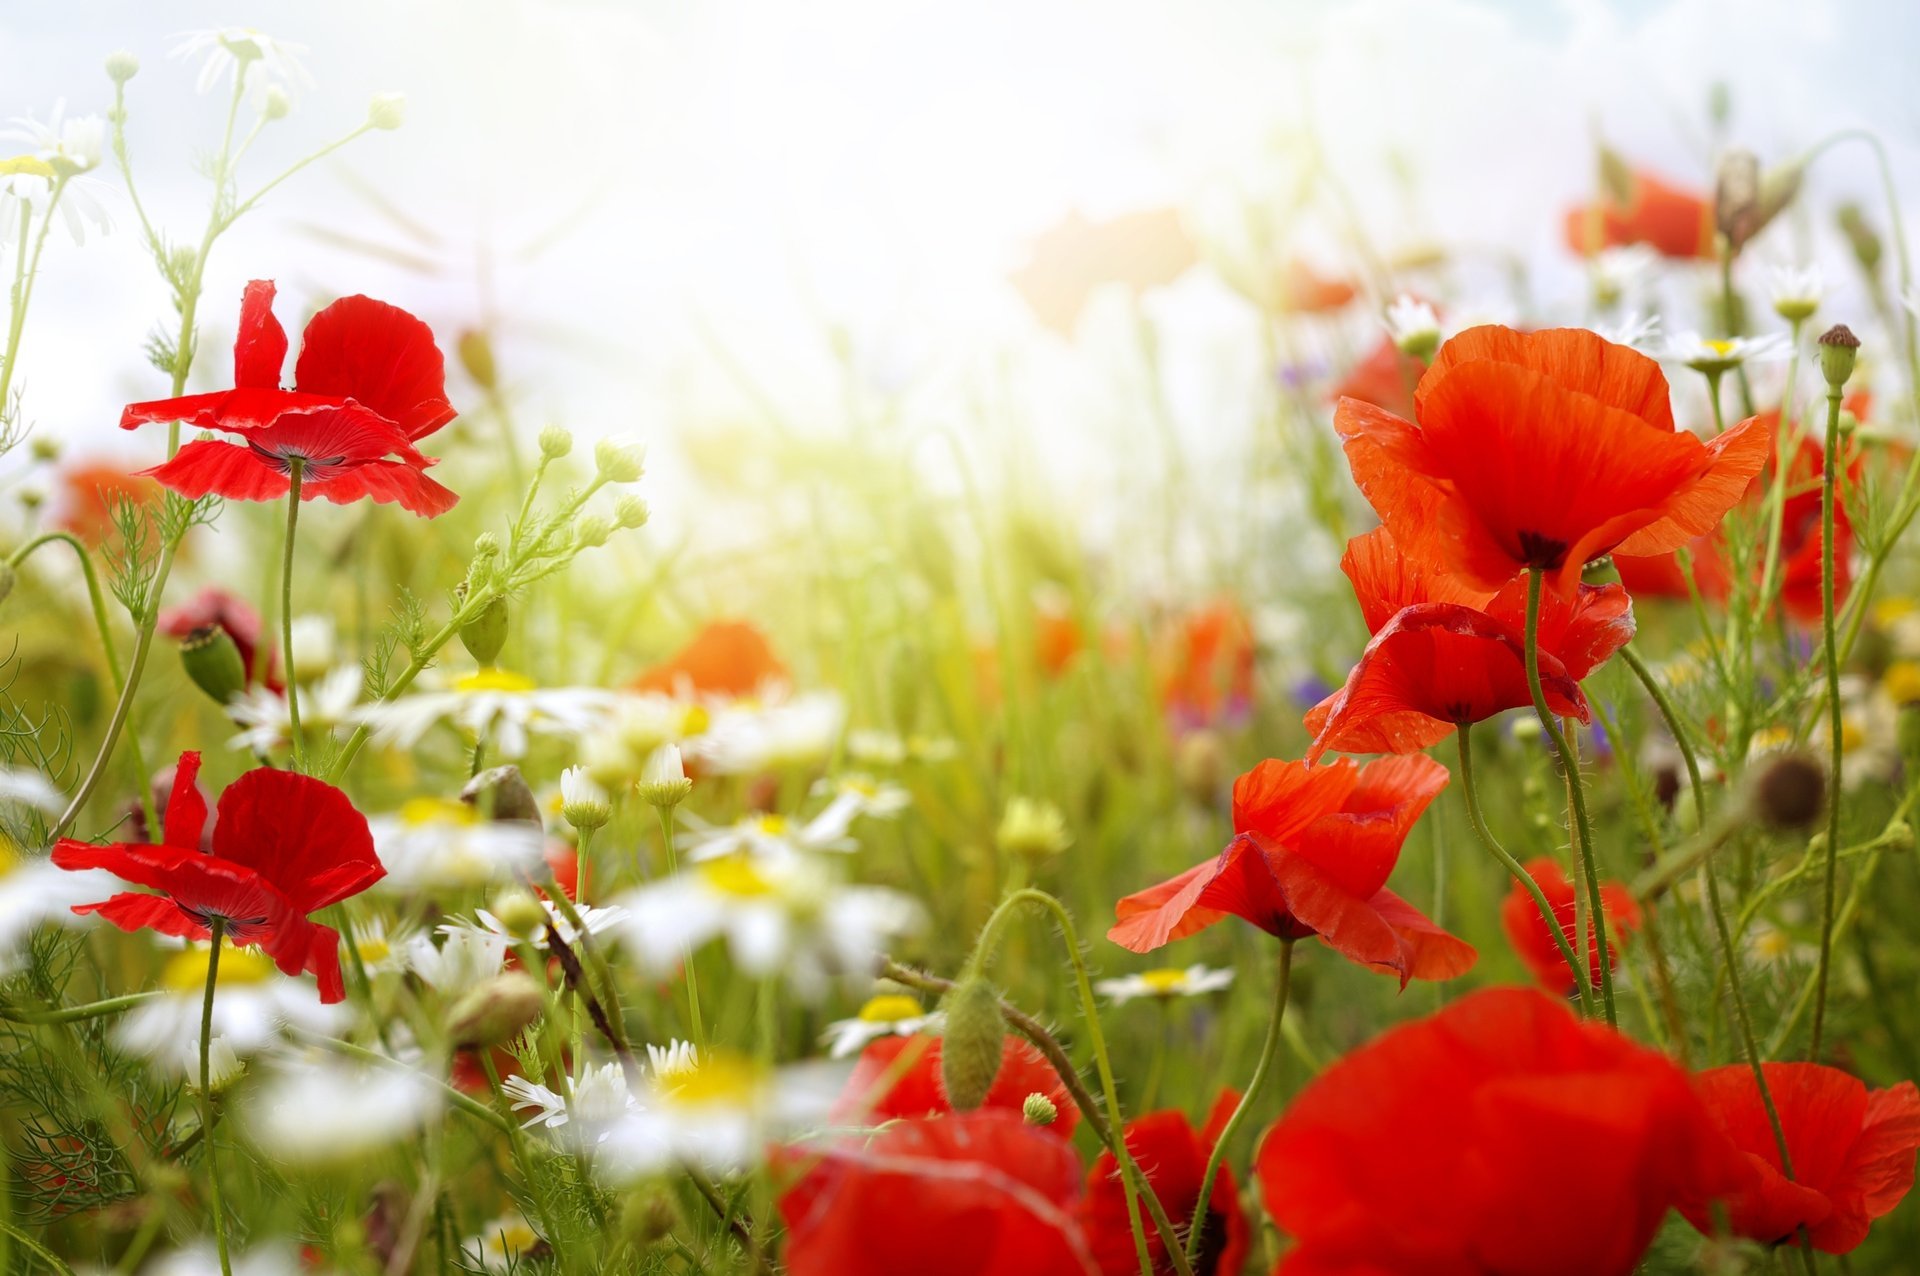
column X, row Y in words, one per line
column 1838, row 350
column 1038, row 1109
column 501, row 793
column 212, row 660
column 486, row 634
column 1788, row 793
column 971, row 1048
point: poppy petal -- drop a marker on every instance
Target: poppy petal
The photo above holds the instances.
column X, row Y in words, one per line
column 1277, row 799
column 1735, row 457
column 1165, row 911
column 207, row 467
column 387, row 483
column 299, row 833
column 1583, row 361
column 132, row 911
column 205, row 884
column 1431, row 952
column 237, row 411
column 186, row 817
column 260, row 349
column 381, row 356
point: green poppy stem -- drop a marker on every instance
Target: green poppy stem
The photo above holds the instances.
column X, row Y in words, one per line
column 294, row 468
column 1837, row 743
column 217, row 930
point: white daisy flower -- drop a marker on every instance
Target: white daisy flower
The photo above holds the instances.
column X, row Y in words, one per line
column 320, row 1110
column 583, row 803
column 1716, row 355
column 890, row 1014
column 70, row 146
column 439, row 844
column 1618, row 271
column 634, row 730
column 494, row 704
column 63, row 151
column 313, row 647
column 202, row 1258
column 675, row 1056
column 768, row 836
column 381, row 948
column 719, row 1113
column 466, row 957
column 259, row 61
column 593, row 1103
column 29, row 788
column 1164, row 984
column 1414, row 326
column 265, row 723
column 855, row 795
column 1796, row 291
column 747, row 737
column 777, row 915
column 594, row 919
column 253, row 1006
column 33, row 891
column 504, row 1245
column 1635, row 330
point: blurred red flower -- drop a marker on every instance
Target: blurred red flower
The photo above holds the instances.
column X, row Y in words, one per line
column 1207, row 667
column 1853, row 1152
column 1542, row 450
column 913, row 1086
column 1312, row 849
column 284, row 846
column 727, row 658
column 1500, row 1135
column 1672, row 221
column 88, row 492
column 1174, row 1159
column 1533, row 942
column 368, row 384
column 1444, row 653
column 215, row 606
column 1386, row 378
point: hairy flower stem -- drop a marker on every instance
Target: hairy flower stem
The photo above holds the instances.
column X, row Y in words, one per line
column 294, row 468
column 1581, row 829
column 216, row 930
column 1581, row 972
column 1837, row 745
column 1268, row 1048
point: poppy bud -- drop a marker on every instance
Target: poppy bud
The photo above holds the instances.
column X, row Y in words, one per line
column 486, row 634
column 495, row 1011
column 632, row 511
column 620, row 460
column 972, row 1045
column 501, row 793
column 518, row 911
column 663, row 779
column 476, row 356
column 555, row 442
column 122, row 66
column 1038, row 1109
column 387, row 110
column 213, row 662
column 1788, row 793
column 1861, row 237
column 1838, row 349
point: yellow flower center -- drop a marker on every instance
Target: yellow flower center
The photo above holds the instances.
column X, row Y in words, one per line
column 1893, row 608
column 1722, row 348
column 1852, row 734
column 422, row 811
column 373, row 948
column 9, row 855
column 694, row 720
column 1903, row 682
column 187, row 970
column 890, row 1008
column 772, row 825
column 494, row 680
column 26, row 164
column 735, row 875
column 1164, row 982
column 511, row 1239
column 718, row 1078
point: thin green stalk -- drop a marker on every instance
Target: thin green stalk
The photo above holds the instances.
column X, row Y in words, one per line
column 217, row 930
column 693, row 978
column 1837, row 744
column 1777, row 494
column 1268, row 1048
column 1674, row 728
column 295, row 466
column 1582, row 976
column 1582, row 829
column 73, row 1014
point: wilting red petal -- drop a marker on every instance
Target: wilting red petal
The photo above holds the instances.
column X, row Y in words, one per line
column 299, row 833
column 1441, row 1147
column 186, row 816
column 1533, row 942
column 260, row 348
column 1173, row 1158
column 730, row 658
column 917, row 1089
column 971, row 1194
column 380, row 356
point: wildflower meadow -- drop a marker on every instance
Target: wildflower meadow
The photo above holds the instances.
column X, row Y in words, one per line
column 897, row 641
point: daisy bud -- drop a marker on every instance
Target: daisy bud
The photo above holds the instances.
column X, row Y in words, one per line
column 1838, row 349
column 502, row 794
column 498, row 1010
column 620, row 460
column 663, row 780
column 632, row 511
column 1038, row 1109
column 45, row 447
column 518, row 911
column 486, row 547
column 647, row 1217
column 212, row 660
column 277, row 103
column 555, row 442
column 122, row 66
column 387, row 110
column 476, row 356
column 592, row 531
column 486, row 634
column 971, row 1047
column 1033, row 830
column 583, row 803
column 1788, row 793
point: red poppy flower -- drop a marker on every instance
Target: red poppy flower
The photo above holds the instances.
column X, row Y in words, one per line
column 728, row 658
column 1853, row 1152
column 215, row 606
column 1139, row 250
column 1527, row 930
column 1542, row 449
column 369, row 383
column 89, row 491
column 1444, row 653
column 1500, row 1135
column 917, row 1090
column 1174, row 1159
column 1672, row 221
column 1208, row 667
column 284, row 846
column 1312, row 849
column 1300, row 289
column 971, row 1194
column 1056, row 638
column 1385, row 378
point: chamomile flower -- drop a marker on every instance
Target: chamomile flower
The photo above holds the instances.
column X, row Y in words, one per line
column 70, row 146
column 259, row 62
column 777, row 915
column 29, row 788
column 1616, row 272
column 504, row 1245
column 466, row 957
column 1635, row 330
column 890, row 1014
column 1414, row 326
column 33, row 891
column 718, row 1111
column 746, row 737
column 381, row 948
column 494, row 704
column 633, row 730
column 62, row 152
column 594, row 1101
column 768, row 836
column 593, row 918
column 253, row 1006
column 265, row 723
column 1164, row 984
column 1796, row 291
column 583, row 803
column 855, row 795
column 313, row 647
column 202, row 1259
column 1715, row 356
column 319, row 1110
column 439, row 844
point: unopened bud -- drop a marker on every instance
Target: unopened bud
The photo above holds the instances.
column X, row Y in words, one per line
column 387, row 110
column 648, row 1217
column 476, row 356
column 1838, row 350
column 663, row 779
column 555, row 442
column 496, row 1011
column 277, row 104
column 212, row 660
column 486, row 633
column 592, row 531
column 45, row 448
column 1788, row 793
column 501, row 793
column 1861, row 237
column 122, row 66
column 620, row 460
column 1032, row 829
column 519, row 912
column 973, row 1043
column 1038, row 1109
column 632, row 511
column 583, row 803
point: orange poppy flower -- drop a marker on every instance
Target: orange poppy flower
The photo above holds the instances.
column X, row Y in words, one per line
column 1312, row 849
column 1542, row 450
column 1173, row 1156
column 1385, row 378
column 728, row 658
column 1444, row 653
column 1533, row 942
column 88, row 492
column 1208, row 667
column 1669, row 219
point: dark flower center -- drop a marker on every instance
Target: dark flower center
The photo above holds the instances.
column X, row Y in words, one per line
column 282, row 459
column 1537, row 550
